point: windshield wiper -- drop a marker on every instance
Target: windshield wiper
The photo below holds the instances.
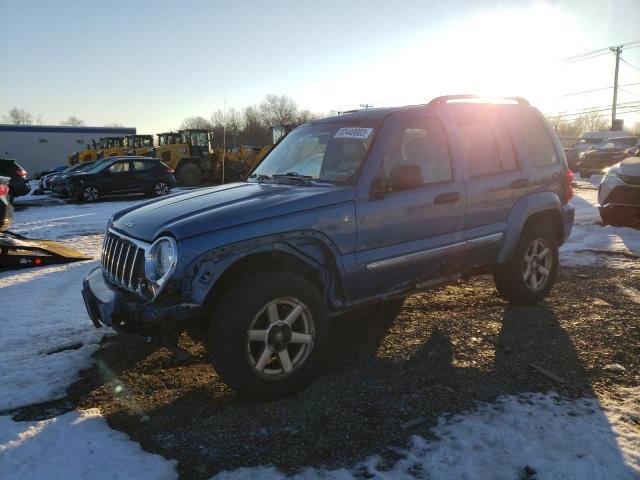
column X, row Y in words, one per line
column 304, row 179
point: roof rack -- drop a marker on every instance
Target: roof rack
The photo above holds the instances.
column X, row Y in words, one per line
column 446, row 98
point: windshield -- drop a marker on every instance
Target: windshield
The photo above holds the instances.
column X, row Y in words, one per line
column 332, row 152
column 98, row 165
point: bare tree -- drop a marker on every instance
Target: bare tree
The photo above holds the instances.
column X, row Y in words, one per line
column 195, row 123
column 278, row 110
column 635, row 130
column 305, row 116
column 72, row 122
column 592, row 121
column 114, row 125
column 255, row 132
column 19, row 116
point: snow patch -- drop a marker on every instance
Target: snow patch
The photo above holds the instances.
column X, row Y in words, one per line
column 554, row 437
column 74, row 446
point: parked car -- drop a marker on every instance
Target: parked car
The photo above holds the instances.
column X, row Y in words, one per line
column 47, row 181
column 121, row 175
column 6, row 209
column 596, row 161
column 58, row 169
column 18, row 184
column 394, row 200
column 59, row 182
column 619, row 193
column 573, row 158
column 589, row 140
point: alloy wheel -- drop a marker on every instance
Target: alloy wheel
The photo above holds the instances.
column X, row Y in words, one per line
column 161, row 189
column 90, row 194
column 537, row 265
column 280, row 338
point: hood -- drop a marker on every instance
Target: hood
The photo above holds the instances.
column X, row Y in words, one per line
column 629, row 166
column 208, row 209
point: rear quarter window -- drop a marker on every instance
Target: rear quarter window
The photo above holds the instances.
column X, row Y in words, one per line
column 531, row 138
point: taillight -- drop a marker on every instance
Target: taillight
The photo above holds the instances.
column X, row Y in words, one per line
column 22, row 172
column 4, row 190
column 169, row 170
column 568, row 188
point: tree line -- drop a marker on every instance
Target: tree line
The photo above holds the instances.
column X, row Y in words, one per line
column 591, row 121
column 252, row 125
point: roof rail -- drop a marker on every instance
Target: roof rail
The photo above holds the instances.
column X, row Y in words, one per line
column 446, row 98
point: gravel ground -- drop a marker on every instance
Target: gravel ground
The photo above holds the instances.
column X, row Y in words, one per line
column 387, row 375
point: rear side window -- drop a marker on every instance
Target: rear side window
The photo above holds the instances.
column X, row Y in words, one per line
column 139, row 165
column 530, row 134
column 480, row 146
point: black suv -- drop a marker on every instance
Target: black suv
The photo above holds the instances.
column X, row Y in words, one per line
column 121, row 175
column 18, row 185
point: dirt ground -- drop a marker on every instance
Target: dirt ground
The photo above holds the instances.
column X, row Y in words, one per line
column 387, row 375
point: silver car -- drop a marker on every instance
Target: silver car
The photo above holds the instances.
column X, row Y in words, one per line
column 619, row 193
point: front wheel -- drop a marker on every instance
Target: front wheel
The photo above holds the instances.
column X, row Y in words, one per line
column 189, row 175
column 268, row 345
column 531, row 272
column 89, row 193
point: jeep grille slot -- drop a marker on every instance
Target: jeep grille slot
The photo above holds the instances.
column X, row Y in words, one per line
column 122, row 262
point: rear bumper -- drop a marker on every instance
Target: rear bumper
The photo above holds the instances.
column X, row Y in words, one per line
column 109, row 306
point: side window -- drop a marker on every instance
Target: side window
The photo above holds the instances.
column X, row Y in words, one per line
column 139, row 165
column 119, row 167
column 529, row 132
column 423, row 143
column 479, row 144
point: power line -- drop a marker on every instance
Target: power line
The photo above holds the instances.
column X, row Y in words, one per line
column 596, row 53
column 594, row 90
column 627, row 107
column 630, row 64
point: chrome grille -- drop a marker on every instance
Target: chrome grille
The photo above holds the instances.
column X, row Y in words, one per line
column 122, row 261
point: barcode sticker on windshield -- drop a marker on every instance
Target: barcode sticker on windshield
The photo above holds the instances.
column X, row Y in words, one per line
column 353, row 132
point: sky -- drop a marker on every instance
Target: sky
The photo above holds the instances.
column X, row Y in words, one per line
column 150, row 64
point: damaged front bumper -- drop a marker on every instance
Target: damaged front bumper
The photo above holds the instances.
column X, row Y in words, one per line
column 111, row 307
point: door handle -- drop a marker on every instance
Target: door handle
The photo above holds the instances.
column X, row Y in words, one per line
column 520, row 183
column 449, row 197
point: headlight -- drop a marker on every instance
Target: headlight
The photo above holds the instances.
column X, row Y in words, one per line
column 161, row 260
column 610, row 174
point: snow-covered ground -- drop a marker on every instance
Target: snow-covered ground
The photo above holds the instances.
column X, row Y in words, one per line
column 46, row 338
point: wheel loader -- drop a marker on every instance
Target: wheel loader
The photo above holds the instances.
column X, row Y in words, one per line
column 139, row 145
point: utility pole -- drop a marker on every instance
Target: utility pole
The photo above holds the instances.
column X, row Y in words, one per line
column 617, row 51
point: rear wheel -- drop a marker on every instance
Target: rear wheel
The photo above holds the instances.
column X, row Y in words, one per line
column 189, row 175
column 161, row 188
column 531, row 272
column 268, row 345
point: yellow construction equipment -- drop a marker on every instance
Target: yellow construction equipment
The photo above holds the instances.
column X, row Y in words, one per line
column 139, row 145
column 112, row 147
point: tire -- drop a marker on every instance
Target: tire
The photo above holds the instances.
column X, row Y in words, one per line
column 516, row 281
column 250, row 366
column 90, row 193
column 189, row 175
column 615, row 218
column 584, row 174
column 160, row 189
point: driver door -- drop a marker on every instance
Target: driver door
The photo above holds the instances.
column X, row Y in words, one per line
column 406, row 237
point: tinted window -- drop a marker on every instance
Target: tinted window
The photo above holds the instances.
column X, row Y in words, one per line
column 422, row 143
column 479, row 144
column 119, row 167
column 508, row 158
column 139, row 165
column 528, row 131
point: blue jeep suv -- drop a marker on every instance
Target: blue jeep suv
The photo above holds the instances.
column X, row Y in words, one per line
column 367, row 206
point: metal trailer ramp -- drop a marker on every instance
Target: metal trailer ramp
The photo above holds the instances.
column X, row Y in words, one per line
column 17, row 251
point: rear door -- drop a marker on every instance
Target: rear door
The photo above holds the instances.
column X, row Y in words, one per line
column 407, row 236
column 117, row 178
column 141, row 176
column 496, row 178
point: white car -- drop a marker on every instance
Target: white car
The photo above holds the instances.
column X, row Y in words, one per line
column 619, row 193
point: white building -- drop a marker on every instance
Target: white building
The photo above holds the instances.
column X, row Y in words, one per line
column 41, row 147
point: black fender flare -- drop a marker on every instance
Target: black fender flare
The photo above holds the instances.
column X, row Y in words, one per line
column 522, row 210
